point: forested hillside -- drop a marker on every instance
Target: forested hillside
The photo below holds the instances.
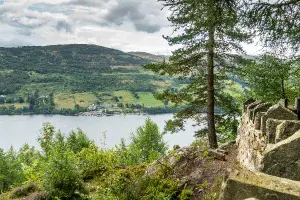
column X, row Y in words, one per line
column 76, row 68
column 79, row 75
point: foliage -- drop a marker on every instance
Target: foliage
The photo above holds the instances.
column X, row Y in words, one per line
column 277, row 22
column 11, row 173
column 145, row 146
column 94, row 162
column 208, row 32
column 77, row 141
column 271, row 78
column 61, row 175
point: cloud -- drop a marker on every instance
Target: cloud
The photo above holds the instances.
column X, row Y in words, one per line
column 63, row 25
column 89, row 3
column 144, row 16
column 128, row 25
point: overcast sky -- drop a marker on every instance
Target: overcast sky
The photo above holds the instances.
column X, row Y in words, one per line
column 128, row 25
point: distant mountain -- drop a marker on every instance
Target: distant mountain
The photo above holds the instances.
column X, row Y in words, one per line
column 150, row 56
column 74, row 68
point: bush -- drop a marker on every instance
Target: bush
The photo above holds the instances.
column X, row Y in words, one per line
column 146, row 145
column 78, row 140
column 93, row 161
column 11, row 173
column 61, row 176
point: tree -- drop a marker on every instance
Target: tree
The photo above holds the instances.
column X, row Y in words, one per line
column 146, row 145
column 271, row 78
column 208, row 33
column 277, row 22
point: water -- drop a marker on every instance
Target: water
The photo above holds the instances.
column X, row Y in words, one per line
column 18, row 130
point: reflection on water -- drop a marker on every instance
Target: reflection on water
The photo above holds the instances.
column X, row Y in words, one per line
column 17, row 130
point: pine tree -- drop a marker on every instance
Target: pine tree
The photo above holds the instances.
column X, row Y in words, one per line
column 208, row 33
column 277, row 22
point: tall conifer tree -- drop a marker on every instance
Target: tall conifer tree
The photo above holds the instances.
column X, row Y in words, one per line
column 208, row 33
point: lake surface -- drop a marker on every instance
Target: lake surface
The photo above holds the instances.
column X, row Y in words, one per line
column 18, row 130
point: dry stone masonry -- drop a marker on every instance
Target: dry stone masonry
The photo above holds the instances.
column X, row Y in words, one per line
column 268, row 153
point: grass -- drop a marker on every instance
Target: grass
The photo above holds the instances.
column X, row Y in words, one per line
column 145, row 98
column 17, row 105
column 68, row 101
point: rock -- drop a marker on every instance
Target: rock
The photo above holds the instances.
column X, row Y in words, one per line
column 257, row 120
column 286, row 129
column 271, row 126
column 277, row 112
column 255, row 185
column 246, row 104
column 227, row 146
column 283, row 158
column 216, row 155
column 260, row 108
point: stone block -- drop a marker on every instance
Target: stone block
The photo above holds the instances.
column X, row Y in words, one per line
column 283, row 158
column 271, row 126
column 277, row 112
column 250, row 108
column 260, row 108
column 286, row 129
column 244, row 184
column 246, row 103
column 257, row 120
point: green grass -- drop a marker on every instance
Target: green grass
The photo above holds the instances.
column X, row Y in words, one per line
column 145, row 98
column 68, row 101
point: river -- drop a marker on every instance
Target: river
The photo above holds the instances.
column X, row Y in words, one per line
column 18, row 130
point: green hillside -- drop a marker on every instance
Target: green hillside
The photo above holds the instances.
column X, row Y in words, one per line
column 77, row 75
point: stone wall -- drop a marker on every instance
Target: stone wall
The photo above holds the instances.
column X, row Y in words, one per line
column 268, row 147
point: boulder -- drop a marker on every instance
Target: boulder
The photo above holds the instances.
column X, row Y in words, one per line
column 271, row 126
column 260, row 108
column 243, row 184
column 283, row 158
column 286, row 129
column 277, row 112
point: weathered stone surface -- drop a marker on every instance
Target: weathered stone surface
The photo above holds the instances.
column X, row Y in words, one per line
column 283, row 158
column 257, row 120
column 286, row 129
column 271, row 126
column 260, row 108
column 250, row 144
column 250, row 108
column 245, row 184
column 277, row 112
column 246, row 103
column 227, row 146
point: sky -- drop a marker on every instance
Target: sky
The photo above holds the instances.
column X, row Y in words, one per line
column 128, row 25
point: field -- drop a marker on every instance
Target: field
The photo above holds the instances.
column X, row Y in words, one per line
column 17, row 105
column 68, row 101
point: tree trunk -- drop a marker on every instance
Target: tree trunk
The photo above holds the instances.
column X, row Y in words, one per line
column 283, row 95
column 212, row 137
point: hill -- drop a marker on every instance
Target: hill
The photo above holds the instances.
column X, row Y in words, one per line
column 149, row 56
column 78, row 74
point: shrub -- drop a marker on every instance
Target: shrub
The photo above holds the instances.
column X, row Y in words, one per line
column 11, row 173
column 146, row 145
column 78, row 140
column 61, row 176
column 93, row 161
